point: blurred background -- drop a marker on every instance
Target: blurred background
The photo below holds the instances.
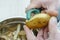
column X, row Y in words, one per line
column 12, row 8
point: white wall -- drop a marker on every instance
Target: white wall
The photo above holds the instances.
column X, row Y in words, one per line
column 12, row 8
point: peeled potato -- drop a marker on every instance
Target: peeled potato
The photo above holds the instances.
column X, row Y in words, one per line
column 38, row 21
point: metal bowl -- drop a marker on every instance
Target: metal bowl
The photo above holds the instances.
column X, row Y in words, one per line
column 10, row 25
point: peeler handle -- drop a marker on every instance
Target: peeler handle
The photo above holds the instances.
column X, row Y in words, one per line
column 29, row 12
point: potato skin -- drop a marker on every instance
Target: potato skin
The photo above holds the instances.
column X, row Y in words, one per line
column 38, row 21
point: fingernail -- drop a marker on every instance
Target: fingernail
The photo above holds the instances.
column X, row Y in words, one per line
column 53, row 20
column 24, row 27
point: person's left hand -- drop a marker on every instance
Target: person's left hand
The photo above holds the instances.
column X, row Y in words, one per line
column 44, row 34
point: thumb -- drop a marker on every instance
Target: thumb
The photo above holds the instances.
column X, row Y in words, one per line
column 29, row 33
column 52, row 26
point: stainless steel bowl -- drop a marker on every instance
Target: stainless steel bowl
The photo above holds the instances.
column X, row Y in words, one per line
column 8, row 26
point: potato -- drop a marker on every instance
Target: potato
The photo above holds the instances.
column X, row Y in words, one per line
column 38, row 21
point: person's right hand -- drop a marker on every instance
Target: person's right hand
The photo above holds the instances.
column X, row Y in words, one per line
column 51, row 10
column 44, row 34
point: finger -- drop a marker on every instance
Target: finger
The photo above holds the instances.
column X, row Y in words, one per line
column 34, row 4
column 46, row 33
column 31, row 6
column 43, row 5
column 52, row 27
column 29, row 33
column 52, row 12
column 40, row 35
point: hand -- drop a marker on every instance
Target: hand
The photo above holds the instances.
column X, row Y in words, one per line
column 44, row 34
column 50, row 33
column 51, row 6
